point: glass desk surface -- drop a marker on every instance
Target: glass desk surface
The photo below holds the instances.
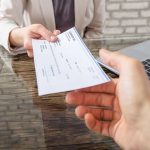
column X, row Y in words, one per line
column 28, row 121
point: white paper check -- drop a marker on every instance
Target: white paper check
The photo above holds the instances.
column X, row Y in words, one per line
column 65, row 65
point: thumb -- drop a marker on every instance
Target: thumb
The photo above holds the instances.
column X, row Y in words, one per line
column 28, row 47
column 114, row 59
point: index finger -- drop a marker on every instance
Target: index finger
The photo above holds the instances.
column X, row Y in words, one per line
column 45, row 33
column 108, row 87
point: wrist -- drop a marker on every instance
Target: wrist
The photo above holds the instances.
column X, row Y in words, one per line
column 15, row 38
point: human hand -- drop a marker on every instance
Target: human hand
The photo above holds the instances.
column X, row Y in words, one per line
column 120, row 108
column 24, row 36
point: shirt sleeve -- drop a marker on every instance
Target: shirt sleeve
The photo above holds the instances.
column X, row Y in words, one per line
column 11, row 16
column 96, row 27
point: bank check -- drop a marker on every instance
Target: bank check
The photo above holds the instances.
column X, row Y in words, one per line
column 65, row 65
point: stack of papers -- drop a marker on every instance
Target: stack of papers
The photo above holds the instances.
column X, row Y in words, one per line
column 65, row 65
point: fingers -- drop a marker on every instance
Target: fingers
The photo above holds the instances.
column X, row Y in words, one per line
column 56, row 32
column 54, row 36
column 108, row 87
column 38, row 31
column 41, row 30
column 44, row 32
column 110, row 58
column 30, row 53
column 133, row 84
column 118, row 61
column 128, row 67
column 90, row 99
column 100, row 114
column 96, row 125
column 28, row 46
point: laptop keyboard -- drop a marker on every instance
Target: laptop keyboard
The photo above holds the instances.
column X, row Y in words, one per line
column 147, row 66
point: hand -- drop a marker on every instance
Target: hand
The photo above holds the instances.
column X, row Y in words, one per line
column 120, row 108
column 24, row 36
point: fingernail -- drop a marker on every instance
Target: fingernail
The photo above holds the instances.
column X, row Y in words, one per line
column 53, row 38
column 56, row 32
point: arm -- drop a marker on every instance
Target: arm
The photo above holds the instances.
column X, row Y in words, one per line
column 95, row 28
column 15, row 37
column 23, row 36
column 11, row 16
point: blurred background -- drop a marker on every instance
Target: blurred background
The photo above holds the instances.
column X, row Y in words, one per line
column 127, row 18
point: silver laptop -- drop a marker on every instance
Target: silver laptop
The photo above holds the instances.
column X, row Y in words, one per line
column 139, row 51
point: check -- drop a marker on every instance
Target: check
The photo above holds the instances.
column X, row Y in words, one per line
column 65, row 65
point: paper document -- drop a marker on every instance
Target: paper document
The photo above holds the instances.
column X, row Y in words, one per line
column 65, row 65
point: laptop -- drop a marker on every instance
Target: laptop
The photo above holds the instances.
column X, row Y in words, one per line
column 139, row 51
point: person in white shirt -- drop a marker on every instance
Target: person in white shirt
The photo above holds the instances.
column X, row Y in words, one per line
column 22, row 20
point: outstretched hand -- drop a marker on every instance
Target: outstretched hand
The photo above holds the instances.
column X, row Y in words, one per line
column 24, row 36
column 120, row 108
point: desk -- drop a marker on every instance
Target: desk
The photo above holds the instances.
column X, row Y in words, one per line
column 28, row 121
